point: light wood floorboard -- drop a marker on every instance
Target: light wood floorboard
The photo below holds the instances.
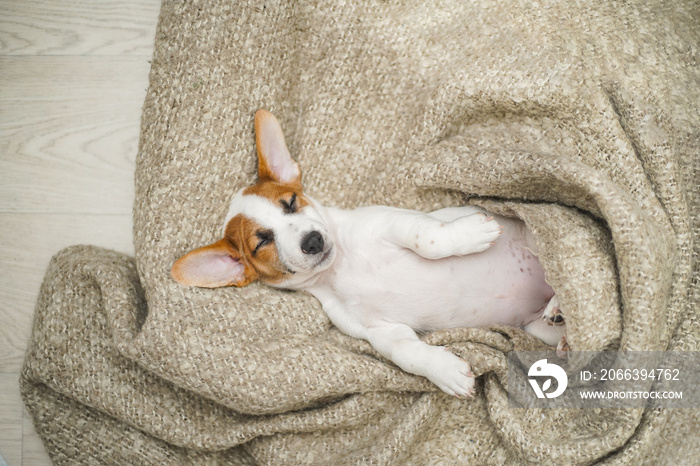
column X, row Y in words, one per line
column 70, row 130
column 73, row 78
column 78, row 27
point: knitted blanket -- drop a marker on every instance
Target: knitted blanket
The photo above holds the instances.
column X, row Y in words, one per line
column 581, row 118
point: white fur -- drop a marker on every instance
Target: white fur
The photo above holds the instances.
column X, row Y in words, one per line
column 385, row 274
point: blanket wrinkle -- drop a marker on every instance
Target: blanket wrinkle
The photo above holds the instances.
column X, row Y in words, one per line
column 580, row 118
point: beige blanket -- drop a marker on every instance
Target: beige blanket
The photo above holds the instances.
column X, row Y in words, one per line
column 581, row 118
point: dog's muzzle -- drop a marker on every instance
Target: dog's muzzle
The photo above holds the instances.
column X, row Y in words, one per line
column 312, row 243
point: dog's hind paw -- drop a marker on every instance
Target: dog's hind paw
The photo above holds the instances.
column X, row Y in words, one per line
column 563, row 348
column 552, row 313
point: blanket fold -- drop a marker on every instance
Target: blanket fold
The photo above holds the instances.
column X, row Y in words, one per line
column 580, row 118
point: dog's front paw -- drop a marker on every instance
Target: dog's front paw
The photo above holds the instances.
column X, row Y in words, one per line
column 452, row 374
column 474, row 233
column 464, row 235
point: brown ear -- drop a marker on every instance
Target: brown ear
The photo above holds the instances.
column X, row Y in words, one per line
column 274, row 161
column 212, row 266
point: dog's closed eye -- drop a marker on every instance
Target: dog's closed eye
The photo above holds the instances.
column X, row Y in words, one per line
column 265, row 237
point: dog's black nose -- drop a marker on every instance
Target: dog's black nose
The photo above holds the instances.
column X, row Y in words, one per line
column 312, row 243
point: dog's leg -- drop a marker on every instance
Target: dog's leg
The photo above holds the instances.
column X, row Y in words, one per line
column 400, row 343
column 434, row 239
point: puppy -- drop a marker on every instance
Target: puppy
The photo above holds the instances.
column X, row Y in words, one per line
column 382, row 274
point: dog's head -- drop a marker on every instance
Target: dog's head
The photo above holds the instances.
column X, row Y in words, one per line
column 273, row 232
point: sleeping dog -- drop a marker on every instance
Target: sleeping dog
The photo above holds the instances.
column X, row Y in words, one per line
column 381, row 273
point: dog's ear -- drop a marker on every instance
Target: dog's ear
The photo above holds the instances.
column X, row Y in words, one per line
column 212, row 266
column 274, row 161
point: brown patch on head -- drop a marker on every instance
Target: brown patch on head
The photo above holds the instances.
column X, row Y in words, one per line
column 256, row 246
column 289, row 197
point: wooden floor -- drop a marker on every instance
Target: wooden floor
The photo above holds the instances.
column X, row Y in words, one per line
column 73, row 77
